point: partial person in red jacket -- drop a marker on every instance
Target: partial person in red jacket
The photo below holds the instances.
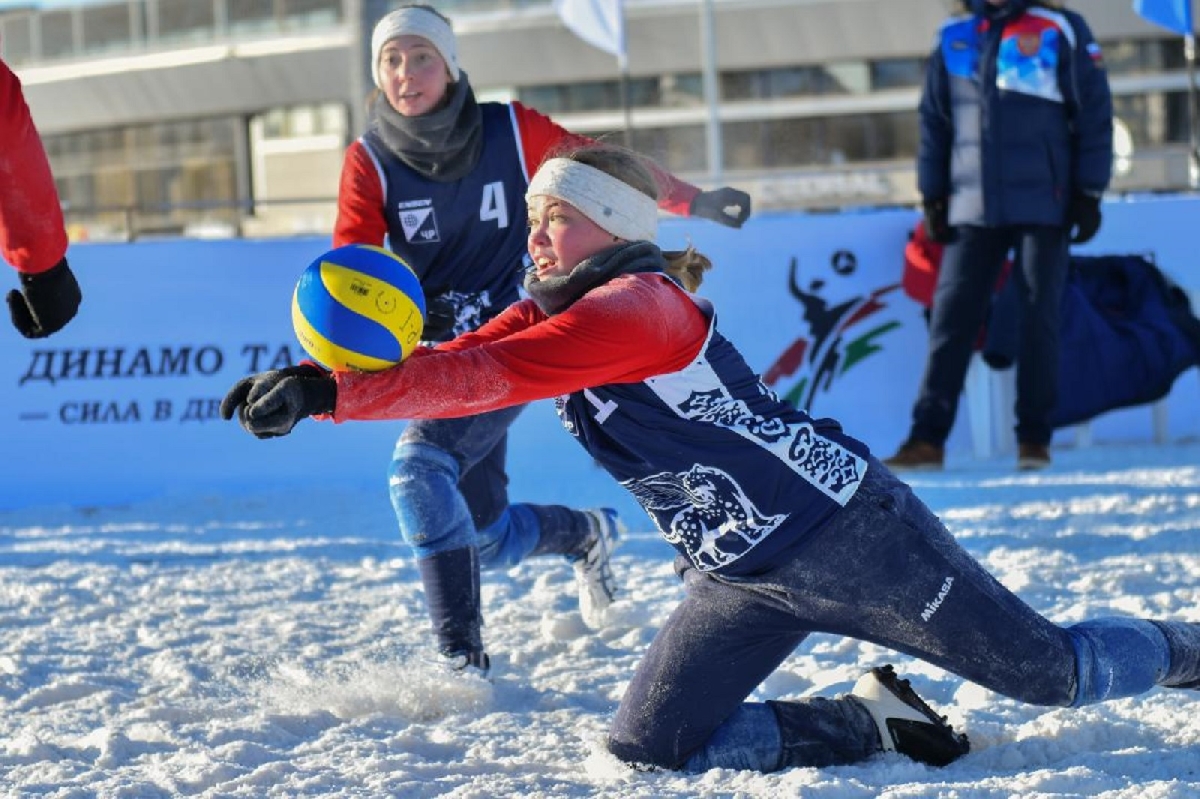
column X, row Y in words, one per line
column 33, row 238
column 440, row 179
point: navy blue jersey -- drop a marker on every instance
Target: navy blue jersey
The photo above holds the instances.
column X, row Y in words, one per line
column 465, row 239
column 731, row 475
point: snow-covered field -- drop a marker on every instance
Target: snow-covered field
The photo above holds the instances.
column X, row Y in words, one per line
column 274, row 645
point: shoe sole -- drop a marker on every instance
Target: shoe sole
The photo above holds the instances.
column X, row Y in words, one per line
column 595, row 620
column 914, row 709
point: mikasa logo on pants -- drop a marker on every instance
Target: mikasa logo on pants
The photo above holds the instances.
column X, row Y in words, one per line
column 931, row 607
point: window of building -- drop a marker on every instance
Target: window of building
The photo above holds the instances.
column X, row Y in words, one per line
column 798, row 81
column 311, row 13
column 171, row 173
column 16, row 39
column 820, row 141
column 184, row 21
column 58, row 34
column 107, row 28
column 897, row 73
column 1154, row 119
column 1143, row 56
column 250, row 16
column 678, row 149
column 327, row 119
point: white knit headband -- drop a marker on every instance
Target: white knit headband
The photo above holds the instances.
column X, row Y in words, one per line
column 612, row 204
column 412, row 21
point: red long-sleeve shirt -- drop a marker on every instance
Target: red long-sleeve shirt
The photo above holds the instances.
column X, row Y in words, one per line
column 631, row 328
column 32, row 235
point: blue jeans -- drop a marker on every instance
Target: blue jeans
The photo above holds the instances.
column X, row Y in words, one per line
column 970, row 267
column 449, row 490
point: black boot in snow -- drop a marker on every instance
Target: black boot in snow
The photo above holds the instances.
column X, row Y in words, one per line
column 906, row 724
column 451, row 581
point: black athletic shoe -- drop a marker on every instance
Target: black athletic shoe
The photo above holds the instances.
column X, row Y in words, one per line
column 473, row 663
column 906, row 724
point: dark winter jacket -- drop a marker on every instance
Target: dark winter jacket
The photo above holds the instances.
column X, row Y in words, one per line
column 1016, row 116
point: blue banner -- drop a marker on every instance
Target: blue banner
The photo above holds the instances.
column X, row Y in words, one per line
column 1174, row 15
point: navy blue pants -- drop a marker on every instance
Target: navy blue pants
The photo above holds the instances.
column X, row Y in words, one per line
column 885, row 570
column 970, row 267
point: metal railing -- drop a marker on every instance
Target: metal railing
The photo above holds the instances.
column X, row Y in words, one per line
column 818, row 189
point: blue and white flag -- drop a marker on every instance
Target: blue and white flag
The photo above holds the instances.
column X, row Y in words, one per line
column 1175, row 15
column 600, row 23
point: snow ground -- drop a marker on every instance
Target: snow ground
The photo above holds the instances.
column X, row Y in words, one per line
column 273, row 645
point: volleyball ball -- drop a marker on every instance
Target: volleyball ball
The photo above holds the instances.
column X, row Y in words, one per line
column 358, row 308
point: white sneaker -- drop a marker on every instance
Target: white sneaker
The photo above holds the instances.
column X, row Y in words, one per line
column 906, row 724
column 593, row 571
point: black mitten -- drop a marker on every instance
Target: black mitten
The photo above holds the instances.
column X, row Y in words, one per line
column 46, row 301
column 729, row 206
column 269, row 404
column 1083, row 217
column 937, row 221
column 441, row 316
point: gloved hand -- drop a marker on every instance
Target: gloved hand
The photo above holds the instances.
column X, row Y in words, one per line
column 269, row 404
column 1083, row 217
column 937, row 221
column 440, row 318
column 46, row 301
column 729, row 206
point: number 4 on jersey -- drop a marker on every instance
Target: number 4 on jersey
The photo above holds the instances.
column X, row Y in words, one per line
column 493, row 206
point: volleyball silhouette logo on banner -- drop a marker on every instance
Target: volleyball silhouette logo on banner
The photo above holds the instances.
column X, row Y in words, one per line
column 358, row 308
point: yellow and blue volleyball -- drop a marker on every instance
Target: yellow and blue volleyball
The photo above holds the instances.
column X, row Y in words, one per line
column 358, row 308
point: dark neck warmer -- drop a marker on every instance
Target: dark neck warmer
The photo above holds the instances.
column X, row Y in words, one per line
column 442, row 145
column 556, row 294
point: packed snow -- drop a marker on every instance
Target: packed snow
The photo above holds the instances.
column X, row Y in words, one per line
column 276, row 645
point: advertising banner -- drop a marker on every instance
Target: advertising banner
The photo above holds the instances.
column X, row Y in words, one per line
column 122, row 404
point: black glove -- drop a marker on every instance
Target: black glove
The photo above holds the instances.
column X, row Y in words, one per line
column 441, row 316
column 937, row 221
column 269, row 404
column 46, row 301
column 729, row 206
column 1083, row 217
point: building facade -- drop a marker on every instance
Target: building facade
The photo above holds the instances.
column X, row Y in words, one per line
column 229, row 117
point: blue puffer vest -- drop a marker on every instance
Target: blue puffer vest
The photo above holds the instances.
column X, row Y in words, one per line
column 1016, row 115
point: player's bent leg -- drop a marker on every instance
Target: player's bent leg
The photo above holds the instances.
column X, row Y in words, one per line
column 451, row 582
column 522, row 530
column 434, row 520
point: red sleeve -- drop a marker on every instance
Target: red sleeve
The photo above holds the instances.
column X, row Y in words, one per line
column 360, row 218
column 32, row 235
column 632, row 328
column 542, row 137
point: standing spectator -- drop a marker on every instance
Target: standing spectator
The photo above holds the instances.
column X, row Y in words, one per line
column 33, row 238
column 442, row 179
column 1015, row 153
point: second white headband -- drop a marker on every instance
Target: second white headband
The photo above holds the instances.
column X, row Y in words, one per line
column 612, row 204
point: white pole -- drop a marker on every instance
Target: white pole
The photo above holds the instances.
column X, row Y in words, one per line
column 708, row 48
column 623, row 68
column 1189, row 51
